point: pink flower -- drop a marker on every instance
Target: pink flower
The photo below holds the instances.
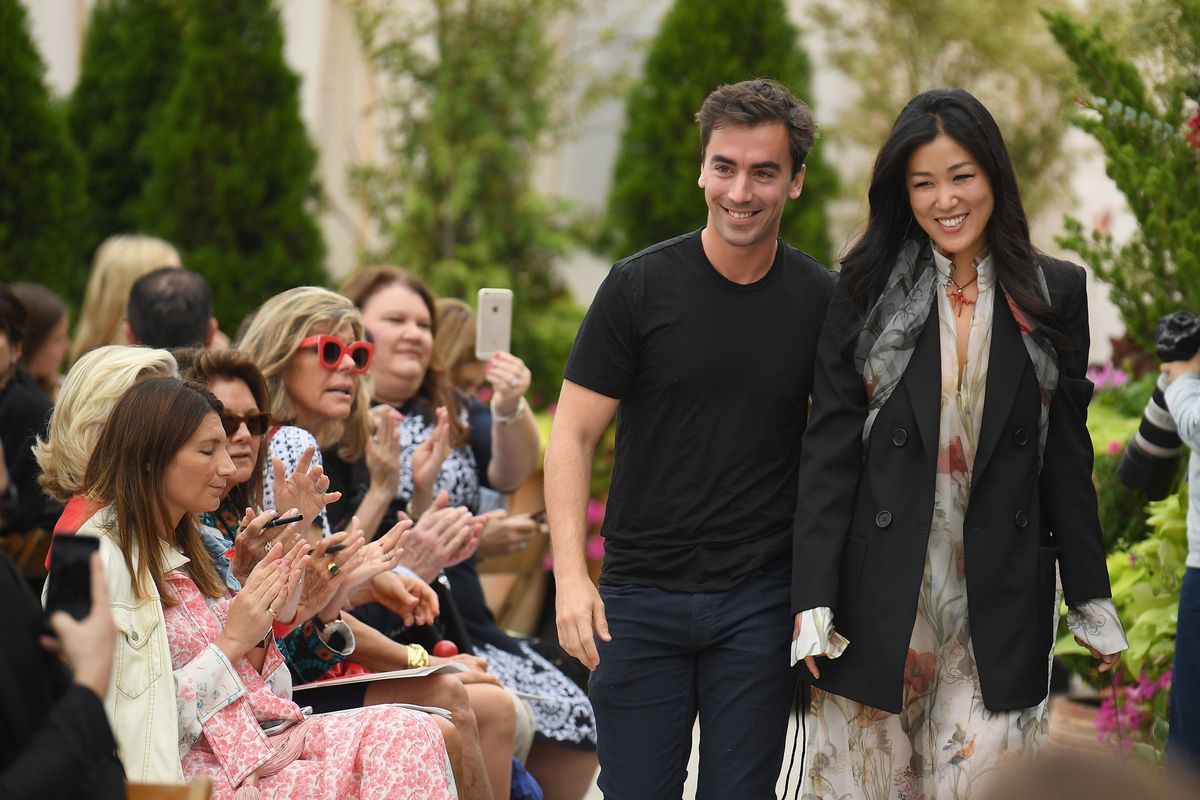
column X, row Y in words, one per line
column 1115, row 447
column 1164, row 682
column 1193, row 136
column 594, row 547
column 595, row 512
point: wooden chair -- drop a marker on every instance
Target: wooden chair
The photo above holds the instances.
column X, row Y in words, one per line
column 28, row 551
column 199, row 789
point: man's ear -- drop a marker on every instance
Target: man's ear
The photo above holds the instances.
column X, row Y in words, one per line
column 797, row 183
column 212, row 331
column 129, row 337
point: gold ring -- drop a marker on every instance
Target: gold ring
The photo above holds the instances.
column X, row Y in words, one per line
column 333, row 568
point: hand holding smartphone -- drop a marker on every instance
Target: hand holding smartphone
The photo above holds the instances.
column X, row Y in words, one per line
column 493, row 323
column 69, row 585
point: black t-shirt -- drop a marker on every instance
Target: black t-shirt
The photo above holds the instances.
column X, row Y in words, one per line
column 714, row 380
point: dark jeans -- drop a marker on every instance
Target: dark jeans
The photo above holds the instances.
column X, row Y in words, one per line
column 723, row 655
column 1183, row 740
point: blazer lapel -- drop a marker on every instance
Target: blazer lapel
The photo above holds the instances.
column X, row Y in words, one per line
column 1005, row 365
column 923, row 382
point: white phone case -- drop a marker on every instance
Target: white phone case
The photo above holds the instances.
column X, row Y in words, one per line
column 493, row 323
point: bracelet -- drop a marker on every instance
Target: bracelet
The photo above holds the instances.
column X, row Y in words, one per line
column 521, row 408
column 417, row 656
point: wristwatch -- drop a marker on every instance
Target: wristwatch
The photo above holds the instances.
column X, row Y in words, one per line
column 335, row 633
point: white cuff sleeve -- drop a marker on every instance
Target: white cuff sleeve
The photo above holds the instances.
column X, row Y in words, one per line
column 1097, row 624
column 817, row 636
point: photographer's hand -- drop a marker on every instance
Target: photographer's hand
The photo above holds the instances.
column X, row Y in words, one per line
column 1173, row 369
column 87, row 644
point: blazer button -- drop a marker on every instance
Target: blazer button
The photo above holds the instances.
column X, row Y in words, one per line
column 883, row 519
column 1021, row 437
column 1022, row 519
column 900, row 437
column 133, row 635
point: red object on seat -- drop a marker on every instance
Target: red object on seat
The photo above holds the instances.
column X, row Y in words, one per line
column 445, row 649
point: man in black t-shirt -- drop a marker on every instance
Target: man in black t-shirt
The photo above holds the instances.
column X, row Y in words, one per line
column 703, row 347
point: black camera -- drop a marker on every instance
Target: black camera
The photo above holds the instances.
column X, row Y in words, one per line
column 1150, row 462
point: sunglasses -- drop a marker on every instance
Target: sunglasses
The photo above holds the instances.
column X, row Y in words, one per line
column 330, row 351
column 257, row 424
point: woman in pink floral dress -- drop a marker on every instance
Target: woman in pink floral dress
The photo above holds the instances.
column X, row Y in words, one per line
column 946, row 477
column 160, row 460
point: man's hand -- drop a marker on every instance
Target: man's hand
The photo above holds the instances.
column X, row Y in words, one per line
column 87, row 645
column 580, row 615
column 1174, row 369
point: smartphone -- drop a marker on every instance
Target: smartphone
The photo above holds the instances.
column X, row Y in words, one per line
column 493, row 323
column 69, row 585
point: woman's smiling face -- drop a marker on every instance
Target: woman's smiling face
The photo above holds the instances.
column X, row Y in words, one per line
column 951, row 196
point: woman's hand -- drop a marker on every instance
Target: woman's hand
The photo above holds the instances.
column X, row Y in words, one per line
column 383, row 451
column 809, row 661
column 305, row 489
column 427, row 462
column 476, row 668
column 503, row 534
column 287, row 602
column 374, row 562
column 510, row 380
column 254, row 540
column 1107, row 660
column 321, row 582
column 442, row 538
column 251, row 612
column 411, row 598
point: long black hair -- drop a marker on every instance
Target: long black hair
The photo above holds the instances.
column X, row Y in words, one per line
column 957, row 114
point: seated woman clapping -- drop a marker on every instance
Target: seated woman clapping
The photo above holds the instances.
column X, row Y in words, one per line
column 199, row 667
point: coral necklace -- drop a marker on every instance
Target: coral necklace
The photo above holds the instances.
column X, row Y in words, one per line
column 957, row 299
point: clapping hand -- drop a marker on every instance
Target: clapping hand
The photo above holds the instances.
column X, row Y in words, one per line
column 383, row 450
column 442, row 538
column 304, row 490
column 264, row 596
column 254, row 539
column 427, row 461
column 333, row 559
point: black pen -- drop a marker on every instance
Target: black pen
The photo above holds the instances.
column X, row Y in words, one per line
column 283, row 521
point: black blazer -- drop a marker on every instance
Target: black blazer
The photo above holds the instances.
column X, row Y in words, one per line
column 863, row 517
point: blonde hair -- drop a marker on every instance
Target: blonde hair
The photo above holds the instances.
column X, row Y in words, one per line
column 273, row 338
column 88, row 395
column 119, row 261
column 455, row 339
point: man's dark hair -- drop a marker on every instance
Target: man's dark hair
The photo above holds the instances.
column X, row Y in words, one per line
column 12, row 315
column 758, row 102
column 170, row 307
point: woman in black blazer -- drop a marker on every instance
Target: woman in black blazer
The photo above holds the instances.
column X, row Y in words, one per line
column 945, row 472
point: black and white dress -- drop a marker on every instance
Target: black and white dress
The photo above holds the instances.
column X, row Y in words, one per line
column 563, row 712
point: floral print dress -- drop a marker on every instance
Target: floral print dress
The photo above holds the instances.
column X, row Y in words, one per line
column 380, row 751
column 944, row 743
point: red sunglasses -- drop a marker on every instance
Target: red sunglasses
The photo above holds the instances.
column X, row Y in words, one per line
column 330, row 351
